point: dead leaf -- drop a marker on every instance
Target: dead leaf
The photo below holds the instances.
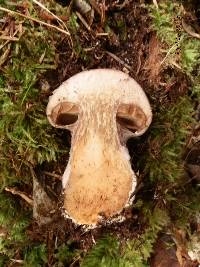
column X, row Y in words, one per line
column 153, row 62
column 194, row 169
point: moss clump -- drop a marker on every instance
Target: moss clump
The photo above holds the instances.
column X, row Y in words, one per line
column 35, row 256
column 163, row 21
column 26, row 137
column 181, row 49
column 109, row 251
column 13, row 222
column 170, row 130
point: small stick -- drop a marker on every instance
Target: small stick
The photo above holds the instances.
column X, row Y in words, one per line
column 75, row 260
column 155, row 3
column 139, row 186
column 102, row 34
column 8, row 38
column 44, row 15
column 95, row 6
column 83, row 21
column 119, row 60
column 93, row 240
column 52, row 14
column 21, row 194
column 17, row 261
column 191, row 33
column 175, row 64
column 53, row 175
column 126, row 2
column 5, row 55
column 139, row 62
column 35, row 20
column 175, row 46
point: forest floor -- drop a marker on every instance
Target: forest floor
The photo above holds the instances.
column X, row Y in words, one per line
column 158, row 45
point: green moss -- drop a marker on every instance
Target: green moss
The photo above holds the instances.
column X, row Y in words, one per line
column 11, row 216
column 66, row 255
column 35, row 256
column 190, row 61
column 104, row 254
column 13, row 221
column 190, row 54
column 179, row 47
column 163, row 21
column 169, row 133
column 26, row 137
column 109, row 251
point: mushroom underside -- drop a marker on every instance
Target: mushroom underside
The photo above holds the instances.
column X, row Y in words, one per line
column 129, row 116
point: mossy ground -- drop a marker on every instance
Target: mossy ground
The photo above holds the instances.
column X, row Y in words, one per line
column 156, row 49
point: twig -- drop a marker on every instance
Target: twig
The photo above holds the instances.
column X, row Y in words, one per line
column 102, row 34
column 124, row 4
column 83, row 21
column 57, row 176
column 168, row 52
column 103, row 11
column 9, row 38
column 17, row 261
column 75, row 260
column 44, row 15
column 175, row 64
column 5, row 55
column 139, row 62
column 91, row 19
column 52, row 14
column 155, row 3
column 21, row 194
column 118, row 60
column 190, row 32
column 139, row 186
column 93, row 240
column 95, row 6
column 35, row 20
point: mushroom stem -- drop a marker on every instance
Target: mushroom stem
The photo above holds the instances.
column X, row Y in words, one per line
column 95, row 182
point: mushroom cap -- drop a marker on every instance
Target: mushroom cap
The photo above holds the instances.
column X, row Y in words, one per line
column 132, row 105
column 102, row 108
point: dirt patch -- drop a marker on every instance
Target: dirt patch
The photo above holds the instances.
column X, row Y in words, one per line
column 167, row 254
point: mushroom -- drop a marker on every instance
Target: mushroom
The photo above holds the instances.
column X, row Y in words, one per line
column 102, row 108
